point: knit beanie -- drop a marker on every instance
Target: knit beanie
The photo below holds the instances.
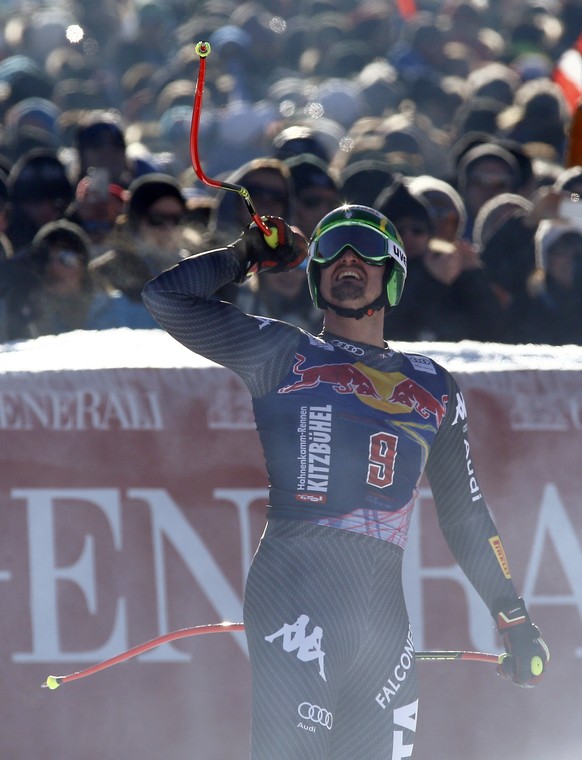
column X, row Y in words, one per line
column 149, row 188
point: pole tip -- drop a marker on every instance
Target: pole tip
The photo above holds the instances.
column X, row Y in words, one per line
column 52, row 682
column 202, row 49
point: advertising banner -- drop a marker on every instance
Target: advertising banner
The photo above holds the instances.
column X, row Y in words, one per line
column 132, row 498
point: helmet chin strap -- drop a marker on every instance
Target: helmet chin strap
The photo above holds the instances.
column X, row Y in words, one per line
column 363, row 311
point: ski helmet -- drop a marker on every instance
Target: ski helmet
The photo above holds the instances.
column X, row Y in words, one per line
column 375, row 240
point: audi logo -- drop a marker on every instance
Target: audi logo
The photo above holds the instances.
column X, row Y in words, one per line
column 348, row 347
column 316, row 714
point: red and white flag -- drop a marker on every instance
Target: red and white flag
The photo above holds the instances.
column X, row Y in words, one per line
column 568, row 74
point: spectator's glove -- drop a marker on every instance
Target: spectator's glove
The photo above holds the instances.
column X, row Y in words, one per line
column 527, row 653
column 282, row 250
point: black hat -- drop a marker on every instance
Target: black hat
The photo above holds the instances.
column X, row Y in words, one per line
column 37, row 175
column 149, row 188
column 482, row 152
column 99, row 130
column 309, row 171
column 397, row 203
column 295, row 140
column 63, row 232
column 363, row 180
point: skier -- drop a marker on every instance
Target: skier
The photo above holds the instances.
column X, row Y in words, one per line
column 348, row 425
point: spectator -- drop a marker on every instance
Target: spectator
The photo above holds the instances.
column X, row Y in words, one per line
column 485, row 171
column 16, row 280
column 552, row 313
column 147, row 38
column 316, row 191
column 298, row 140
column 149, row 237
column 410, row 215
column 60, row 292
column 286, row 298
column 363, row 181
column 269, row 183
column 468, row 28
column 431, row 86
column 570, row 180
column 446, row 206
column 39, row 192
column 420, row 49
column 100, row 143
column 538, row 116
column 449, row 294
column 503, row 234
column 495, row 212
column 96, row 206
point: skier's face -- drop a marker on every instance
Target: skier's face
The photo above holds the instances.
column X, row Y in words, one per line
column 350, row 282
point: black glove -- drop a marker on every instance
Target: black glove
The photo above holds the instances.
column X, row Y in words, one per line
column 282, row 250
column 527, row 653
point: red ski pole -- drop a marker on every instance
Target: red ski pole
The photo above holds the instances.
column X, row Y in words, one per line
column 53, row 682
column 203, row 50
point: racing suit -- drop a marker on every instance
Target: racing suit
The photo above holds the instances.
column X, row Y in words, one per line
column 347, row 431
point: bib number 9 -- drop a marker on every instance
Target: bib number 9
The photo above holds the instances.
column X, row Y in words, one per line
column 381, row 458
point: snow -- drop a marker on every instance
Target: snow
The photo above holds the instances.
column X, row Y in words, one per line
column 127, row 348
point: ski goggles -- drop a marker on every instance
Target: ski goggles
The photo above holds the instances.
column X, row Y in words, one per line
column 370, row 244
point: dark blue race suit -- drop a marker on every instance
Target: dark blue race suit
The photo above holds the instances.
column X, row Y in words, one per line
column 347, row 431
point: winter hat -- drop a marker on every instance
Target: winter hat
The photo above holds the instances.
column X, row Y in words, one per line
column 99, row 130
column 309, row 171
column 485, row 151
column 297, row 140
column 364, row 180
column 33, row 112
column 397, row 203
column 149, row 188
column 37, row 175
column 547, row 235
column 423, row 184
column 64, row 232
column 340, row 100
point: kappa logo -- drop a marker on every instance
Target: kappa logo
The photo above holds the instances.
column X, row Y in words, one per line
column 296, row 639
column 461, row 409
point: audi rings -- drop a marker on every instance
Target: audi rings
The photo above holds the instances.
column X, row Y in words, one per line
column 316, row 714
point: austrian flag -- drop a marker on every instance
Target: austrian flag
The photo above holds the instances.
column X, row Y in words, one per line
column 567, row 74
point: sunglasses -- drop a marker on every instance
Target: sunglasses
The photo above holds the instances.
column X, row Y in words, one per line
column 164, row 220
column 371, row 245
column 316, row 200
column 414, row 229
column 261, row 191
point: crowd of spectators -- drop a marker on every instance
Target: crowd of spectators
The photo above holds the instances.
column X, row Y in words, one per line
column 446, row 115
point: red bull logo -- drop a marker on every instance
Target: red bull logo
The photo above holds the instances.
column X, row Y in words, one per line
column 414, row 396
column 343, row 378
